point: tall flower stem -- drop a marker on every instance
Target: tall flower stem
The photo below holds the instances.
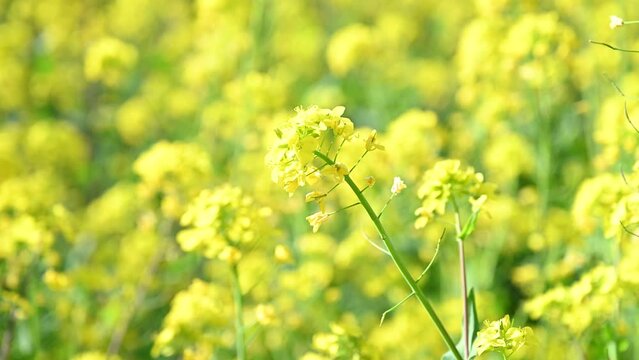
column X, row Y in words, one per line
column 462, row 267
column 397, row 260
column 464, row 285
column 239, row 322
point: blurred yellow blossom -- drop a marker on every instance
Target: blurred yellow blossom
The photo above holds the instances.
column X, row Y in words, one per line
column 109, row 60
column 221, row 222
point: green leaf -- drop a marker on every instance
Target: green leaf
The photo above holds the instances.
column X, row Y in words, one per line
column 473, row 328
column 469, row 227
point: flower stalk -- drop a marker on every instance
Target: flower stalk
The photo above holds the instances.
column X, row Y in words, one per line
column 463, row 278
column 408, row 278
column 239, row 321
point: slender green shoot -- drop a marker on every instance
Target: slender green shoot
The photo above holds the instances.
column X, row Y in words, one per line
column 240, row 344
column 397, row 260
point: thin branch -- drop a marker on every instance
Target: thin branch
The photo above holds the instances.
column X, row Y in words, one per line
column 339, row 149
column 628, row 230
column 612, row 47
column 358, row 161
column 379, row 216
column 346, row 207
column 625, row 111
column 432, row 261
column 623, row 176
column 381, row 321
column 439, row 241
column 375, row 245
column 614, row 84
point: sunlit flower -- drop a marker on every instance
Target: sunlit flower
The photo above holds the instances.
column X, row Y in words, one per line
column 447, row 182
column 292, row 154
column 371, row 142
column 615, row 22
column 317, row 219
column 283, row 254
column 501, row 336
column 370, row 181
column 230, row 254
column 398, row 185
column 478, row 203
column 265, row 314
column 336, row 172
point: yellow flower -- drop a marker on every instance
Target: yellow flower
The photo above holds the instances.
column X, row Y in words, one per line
column 501, row 336
column 317, row 219
column 478, row 203
column 292, row 154
column 108, row 60
column 370, row 181
column 371, row 143
column 230, row 254
column 336, row 172
column 265, row 314
column 221, row 218
column 445, row 182
column 283, row 254
column 56, row 280
column 593, row 298
column 615, row 21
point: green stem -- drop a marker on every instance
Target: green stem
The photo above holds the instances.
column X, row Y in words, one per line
column 7, row 337
column 398, row 262
column 385, row 206
column 239, row 322
column 464, row 285
column 613, row 47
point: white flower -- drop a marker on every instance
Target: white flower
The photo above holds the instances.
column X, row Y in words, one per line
column 615, row 21
column 398, row 185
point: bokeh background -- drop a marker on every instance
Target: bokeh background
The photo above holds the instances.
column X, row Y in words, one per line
column 114, row 115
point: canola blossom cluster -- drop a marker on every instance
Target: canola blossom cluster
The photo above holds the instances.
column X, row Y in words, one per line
column 197, row 321
column 501, row 336
column 594, row 297
column 446, row 182
column 308, row 131
column 221, row 222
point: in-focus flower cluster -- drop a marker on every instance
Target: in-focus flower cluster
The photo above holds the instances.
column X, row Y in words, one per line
column 312, row 129
column 220, row 222
column 501, row 336
column 449, row 182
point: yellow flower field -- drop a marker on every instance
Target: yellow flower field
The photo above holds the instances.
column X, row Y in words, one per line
column 336, row 179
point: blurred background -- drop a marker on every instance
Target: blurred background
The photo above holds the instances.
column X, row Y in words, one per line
column 114, row 115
